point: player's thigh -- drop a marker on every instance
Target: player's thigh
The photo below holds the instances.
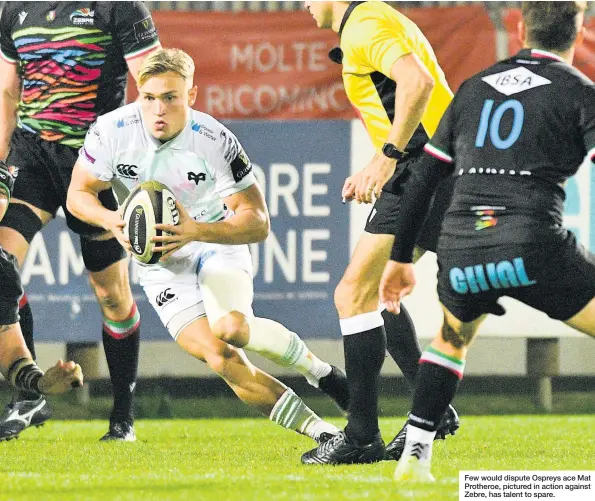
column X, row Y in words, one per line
column 369, row 258
column 198, row 340
column 563, row 276
column 455, row 335
column 174, row 294
column 465, row 290
column 584, row 320
column 103, row 255
column 226, row 283
column 34, row 178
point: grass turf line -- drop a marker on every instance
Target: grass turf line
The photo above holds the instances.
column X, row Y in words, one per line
column 254, row 460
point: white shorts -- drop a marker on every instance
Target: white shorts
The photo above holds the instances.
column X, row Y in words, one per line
column 174, row 287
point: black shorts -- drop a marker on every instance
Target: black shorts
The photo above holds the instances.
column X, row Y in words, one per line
column 11, row 289
column 555, row 275
column 385, row 212
column 44, row 174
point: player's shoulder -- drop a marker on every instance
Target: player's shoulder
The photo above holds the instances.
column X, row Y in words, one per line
column 121, row 9
column 120, row 123
column 207, row 131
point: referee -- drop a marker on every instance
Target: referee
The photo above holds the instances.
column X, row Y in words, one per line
column 393, row 80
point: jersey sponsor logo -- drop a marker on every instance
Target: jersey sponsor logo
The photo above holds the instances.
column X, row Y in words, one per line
column 485, row 277
column 144, row 30
column 201, row 176
column 203, row 130
column 83, row 17
column 51, row 15
column 164, row 297
column 126, row 121
column 22, row 16
column 240, row 166
column 514, row 81
column 127, row 171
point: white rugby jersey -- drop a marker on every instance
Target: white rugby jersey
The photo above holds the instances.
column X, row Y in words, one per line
column 201, row 165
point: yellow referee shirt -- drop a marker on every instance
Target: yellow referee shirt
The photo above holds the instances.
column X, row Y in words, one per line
column 373, row 36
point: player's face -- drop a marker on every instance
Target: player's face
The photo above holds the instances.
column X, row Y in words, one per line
column 322, row 12
column 165, row 101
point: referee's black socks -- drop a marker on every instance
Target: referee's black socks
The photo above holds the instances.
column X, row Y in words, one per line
column 364, row 344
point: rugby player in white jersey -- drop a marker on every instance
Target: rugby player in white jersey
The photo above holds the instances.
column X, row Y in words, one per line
column 206, row 268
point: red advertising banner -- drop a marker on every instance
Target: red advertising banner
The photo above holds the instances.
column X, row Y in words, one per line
column 275, row 65
column 584, row 57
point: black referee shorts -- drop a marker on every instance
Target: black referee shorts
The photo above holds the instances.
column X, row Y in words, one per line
column 385, row 212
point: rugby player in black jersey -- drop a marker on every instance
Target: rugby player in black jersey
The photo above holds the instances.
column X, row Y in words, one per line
column 511, row 137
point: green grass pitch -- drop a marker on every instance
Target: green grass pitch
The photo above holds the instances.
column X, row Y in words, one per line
column 255, row 460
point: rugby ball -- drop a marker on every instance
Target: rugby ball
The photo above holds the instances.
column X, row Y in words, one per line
column 148, row 204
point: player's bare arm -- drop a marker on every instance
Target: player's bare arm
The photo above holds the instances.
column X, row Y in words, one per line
column 414, row 87
column 10, row 94
column 83, row 202
column 250, row 223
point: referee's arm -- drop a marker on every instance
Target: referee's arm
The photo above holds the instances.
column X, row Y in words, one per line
column 414, row 88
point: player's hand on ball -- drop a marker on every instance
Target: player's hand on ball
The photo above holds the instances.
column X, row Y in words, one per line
column 398, row 280
column 61, row 377
column 174, row 237
column 116, row 225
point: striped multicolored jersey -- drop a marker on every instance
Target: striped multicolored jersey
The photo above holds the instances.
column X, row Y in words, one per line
column 373, row 36
column 71, row 57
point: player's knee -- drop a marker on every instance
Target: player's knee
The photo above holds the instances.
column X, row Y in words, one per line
column 233, row 328
column 353, row 297
column 221, row 359
column 111, row 295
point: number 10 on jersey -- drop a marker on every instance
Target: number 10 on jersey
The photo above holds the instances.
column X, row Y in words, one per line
column 491, row 122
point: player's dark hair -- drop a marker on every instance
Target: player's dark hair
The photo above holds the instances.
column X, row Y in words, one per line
column 551, row 25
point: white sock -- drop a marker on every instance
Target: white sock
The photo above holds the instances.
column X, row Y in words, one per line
column 292, row 413
column 277, row 343
column 419, row 443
